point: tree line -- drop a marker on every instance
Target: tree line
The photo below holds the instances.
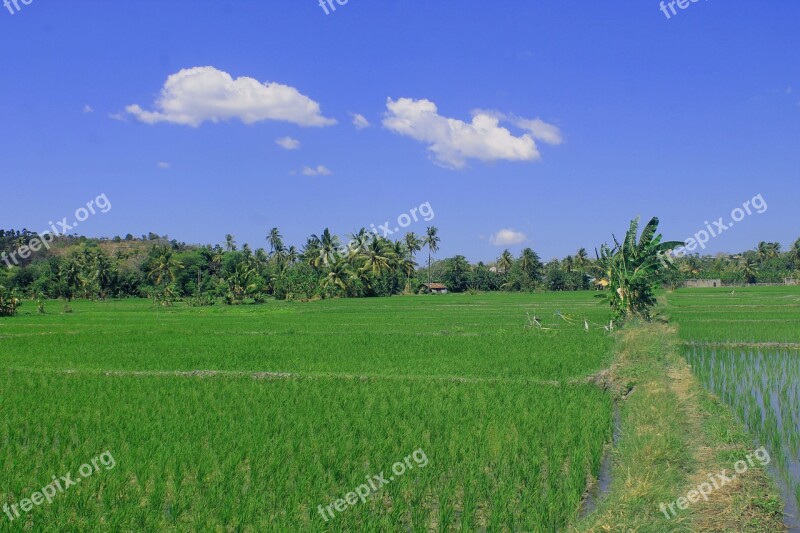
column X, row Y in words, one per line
column 325, row 267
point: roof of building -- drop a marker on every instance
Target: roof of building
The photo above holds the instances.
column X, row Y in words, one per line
column 435, row 286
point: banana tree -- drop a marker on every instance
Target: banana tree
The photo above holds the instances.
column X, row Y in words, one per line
column 633, row 269
column 8, row 302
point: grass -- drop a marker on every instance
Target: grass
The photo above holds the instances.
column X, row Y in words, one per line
column 511, row 431
column 743, row 315
column 749, row 358
column 249, row 418
column 674, row 434
column 462, row 336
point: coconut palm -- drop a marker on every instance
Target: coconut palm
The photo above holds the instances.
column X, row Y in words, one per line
column 359, row 241
column 311, row 252
column 103, row 273
column 164, row 267
column 230, row 243
column 291, row 255
column 275, row 241
column 457, row 271
column 414, row 244
column 377, row 258
column 328, row 245
column 432, row 241
column 794, row 253
column 767, row 251
column 340, row 276
column 531, row 264
column 504, row 262
column 241, row 282
column 583, row 263
column 748, row 268
column 260, row 260
column 70, row 273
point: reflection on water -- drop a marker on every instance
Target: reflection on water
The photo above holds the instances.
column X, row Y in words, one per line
column 763, row 387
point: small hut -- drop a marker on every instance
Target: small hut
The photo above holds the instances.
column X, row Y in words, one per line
column 435, row 288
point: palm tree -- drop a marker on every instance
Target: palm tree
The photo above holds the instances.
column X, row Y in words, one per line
column 328, row 248
column 339, row 276
column 70, row 273
column 748, row 268
column 359, row 241
column 414, row 244
column 275, row 241
column 103, row 272
column 531, row 264
column 230, row 243
column 407, row 266
column 291, row 255
column 240, row 281
column 376, row 259
column 458, row 270
column 768, row 250
column 432, row 241
column 260, row 260
column 582, row 262
column 311, row 252
column 794, row 253
column 163, row 267
column 505, row 262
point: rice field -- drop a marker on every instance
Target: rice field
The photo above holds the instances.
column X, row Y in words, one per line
column 251, row 418
column 744, row 348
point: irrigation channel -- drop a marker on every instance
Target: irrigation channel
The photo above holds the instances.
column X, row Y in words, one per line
column 762, row 385
column 599, row 490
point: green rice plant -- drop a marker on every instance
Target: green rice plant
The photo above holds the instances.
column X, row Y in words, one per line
column 236, row 453
column 250, row 417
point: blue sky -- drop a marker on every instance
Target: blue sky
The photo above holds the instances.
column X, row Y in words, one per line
column 588, row 114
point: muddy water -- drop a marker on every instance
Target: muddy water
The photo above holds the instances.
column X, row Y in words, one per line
column 599, row 490
column 763, row 388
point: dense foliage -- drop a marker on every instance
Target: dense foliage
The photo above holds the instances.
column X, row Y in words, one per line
column 368, row 265
column 634, row 269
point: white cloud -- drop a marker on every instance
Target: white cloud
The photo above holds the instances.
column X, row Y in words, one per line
column 507, row 237
column 117, row 116
column 360, row 121
column 540, row 130
column 287, row 143
column 164, row 164
column 196, row 95
column 321, row 170
column 452, row 142
column 88, row 109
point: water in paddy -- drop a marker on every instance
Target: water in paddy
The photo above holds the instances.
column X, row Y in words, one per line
column 763, row 388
